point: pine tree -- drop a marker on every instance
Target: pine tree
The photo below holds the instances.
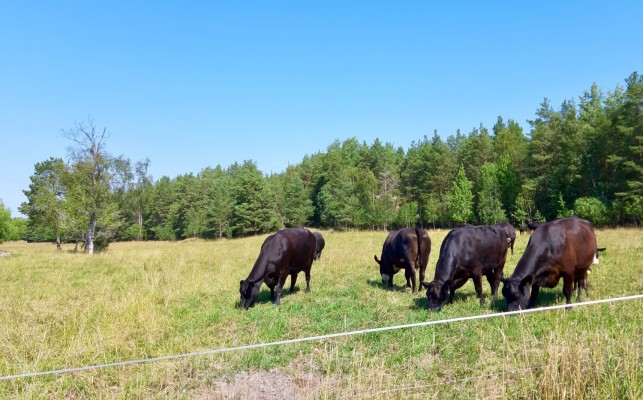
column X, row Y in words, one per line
column 45, row 200
column 490, row 209
column 297, row 206
column 253, row 211
column 461, row 199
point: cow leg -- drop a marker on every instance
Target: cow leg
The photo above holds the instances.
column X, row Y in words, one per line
column 494, row 282
column 307, row 272
column 582, row 284
column 422, row 273
column 409, row 273
column 532, row 298
column 293, row 279
column 457, row 283
column 568, row 283
column 282, row 281
column 477, row 283
column 410, row 276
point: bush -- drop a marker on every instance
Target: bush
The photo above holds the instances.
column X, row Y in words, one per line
column 591, row 209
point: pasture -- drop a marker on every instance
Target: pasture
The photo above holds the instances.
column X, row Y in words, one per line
column 151, row 299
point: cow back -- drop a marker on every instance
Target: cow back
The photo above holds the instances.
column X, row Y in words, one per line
column 291, row 249
column 470, row 246
column 562, row 245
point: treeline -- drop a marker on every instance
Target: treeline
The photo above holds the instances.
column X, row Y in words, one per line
column 584, row 158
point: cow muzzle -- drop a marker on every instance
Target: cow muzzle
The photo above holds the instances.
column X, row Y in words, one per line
column 385, row 278
column 514, row 307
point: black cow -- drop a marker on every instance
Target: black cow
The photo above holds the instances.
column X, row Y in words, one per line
column 510, row 231
column 468, row 252
column 406, row 249
column 320, row 243
column 284, row 253
column 533, row 225
column 563, row 248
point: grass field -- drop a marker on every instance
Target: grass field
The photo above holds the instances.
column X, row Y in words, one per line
column 138, row 300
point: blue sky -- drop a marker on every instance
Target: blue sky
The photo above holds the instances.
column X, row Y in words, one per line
column 195, row 84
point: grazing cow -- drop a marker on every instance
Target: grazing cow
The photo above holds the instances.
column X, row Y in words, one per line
column 284, row 253
column 563, row 248
column 510, row 231
column 406, row 249
column 533, row 225
column 468, row 252
column 524, row 229
column 320, row 243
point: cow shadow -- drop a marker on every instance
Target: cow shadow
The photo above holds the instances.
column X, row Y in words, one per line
column 396, row 288
column 545, row 298
column 264, row 294
column 549, row 298
column 421, row 303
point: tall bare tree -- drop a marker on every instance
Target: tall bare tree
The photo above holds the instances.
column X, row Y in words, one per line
column 91, row 165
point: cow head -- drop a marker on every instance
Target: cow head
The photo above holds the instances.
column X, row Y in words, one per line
column 438, row 294
column 385, row 270
column 517, row 292
column 249, row 292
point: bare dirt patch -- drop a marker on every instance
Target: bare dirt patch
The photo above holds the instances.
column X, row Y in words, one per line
column 4, row 253
column 266, row 385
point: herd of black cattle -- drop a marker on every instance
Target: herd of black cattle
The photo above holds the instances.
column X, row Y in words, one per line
column 564, row 248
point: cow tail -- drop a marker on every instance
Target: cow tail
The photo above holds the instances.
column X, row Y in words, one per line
column 418, row 260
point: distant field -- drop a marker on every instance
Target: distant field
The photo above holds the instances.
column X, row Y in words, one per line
column 138, row 300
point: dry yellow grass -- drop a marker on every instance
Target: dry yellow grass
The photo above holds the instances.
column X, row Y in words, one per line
column 151, row 299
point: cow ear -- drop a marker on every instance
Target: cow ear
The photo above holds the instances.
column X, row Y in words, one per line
column 376, row 260
column 526, row 281
column 503, row 280
column 425, row 285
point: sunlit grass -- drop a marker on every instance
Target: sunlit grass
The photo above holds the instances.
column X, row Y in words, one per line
column 139, row 300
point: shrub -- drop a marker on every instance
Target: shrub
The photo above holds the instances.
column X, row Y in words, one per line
column 591, row 209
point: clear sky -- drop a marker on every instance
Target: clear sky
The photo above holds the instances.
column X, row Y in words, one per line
column 199, row 83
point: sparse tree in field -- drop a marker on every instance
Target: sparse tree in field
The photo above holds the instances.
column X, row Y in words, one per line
column 91, row 177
